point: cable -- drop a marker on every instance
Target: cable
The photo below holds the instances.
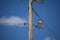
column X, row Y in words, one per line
column 35, row 13
column 42, row 21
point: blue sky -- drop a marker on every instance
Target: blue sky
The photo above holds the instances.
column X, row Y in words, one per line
column 14, row 12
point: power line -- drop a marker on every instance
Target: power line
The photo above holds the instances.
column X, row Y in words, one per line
column 42, row 21
column 36, row 13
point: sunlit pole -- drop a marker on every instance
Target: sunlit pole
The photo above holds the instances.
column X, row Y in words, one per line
column 30, row 19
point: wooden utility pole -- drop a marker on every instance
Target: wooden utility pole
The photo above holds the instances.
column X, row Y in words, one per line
column 30, row 19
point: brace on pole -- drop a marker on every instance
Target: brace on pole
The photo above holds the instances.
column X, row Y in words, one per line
column 40, row 1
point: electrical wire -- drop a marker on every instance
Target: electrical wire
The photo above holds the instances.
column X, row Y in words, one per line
column 35, row 13
column 42, row 21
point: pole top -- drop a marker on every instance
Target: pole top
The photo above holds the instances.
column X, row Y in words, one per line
column 39, row 1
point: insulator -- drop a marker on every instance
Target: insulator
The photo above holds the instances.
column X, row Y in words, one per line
column 24, row 23
column 39, row 24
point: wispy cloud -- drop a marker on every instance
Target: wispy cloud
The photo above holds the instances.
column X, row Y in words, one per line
column 49, row 38
column 13, row 20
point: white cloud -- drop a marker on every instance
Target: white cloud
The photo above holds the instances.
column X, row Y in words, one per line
column 49, row 38
column 13, row 20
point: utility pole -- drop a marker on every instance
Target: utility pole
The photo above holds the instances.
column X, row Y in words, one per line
column 30, row 19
